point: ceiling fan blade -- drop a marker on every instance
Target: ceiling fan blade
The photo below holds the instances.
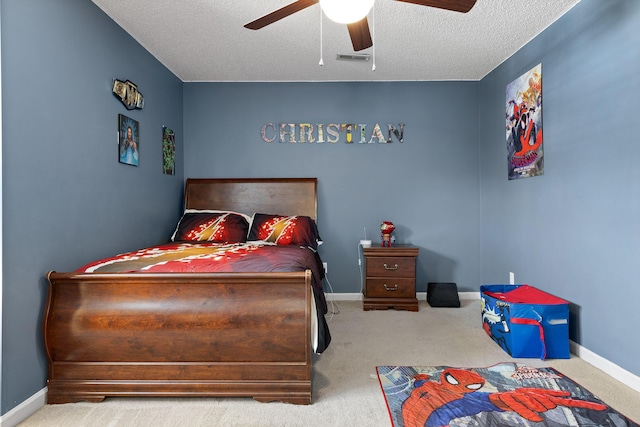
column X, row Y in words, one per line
column 283, row 12
column 463, row 6
column 360, row 34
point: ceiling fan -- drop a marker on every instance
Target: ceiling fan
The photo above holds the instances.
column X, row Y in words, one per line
column 359, row 30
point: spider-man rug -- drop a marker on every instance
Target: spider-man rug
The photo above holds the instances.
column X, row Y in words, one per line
column 507, row 394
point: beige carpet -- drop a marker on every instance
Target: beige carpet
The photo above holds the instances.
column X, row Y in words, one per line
column 345, row 389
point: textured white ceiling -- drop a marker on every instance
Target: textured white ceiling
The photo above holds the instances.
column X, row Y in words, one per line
column 204, row 40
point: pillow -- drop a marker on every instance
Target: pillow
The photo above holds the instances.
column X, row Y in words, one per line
column 284, row 230
column 247, row 217
column 211, row 226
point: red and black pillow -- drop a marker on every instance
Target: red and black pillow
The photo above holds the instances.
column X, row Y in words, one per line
column 284, row 230
column 211, row 226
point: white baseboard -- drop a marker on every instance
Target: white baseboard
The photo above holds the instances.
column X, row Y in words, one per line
column 422, row 296
column 343, row 297
column 38, row 400
column 588, row 356
column 24, row 410
column 469, row 295
column 606, row 366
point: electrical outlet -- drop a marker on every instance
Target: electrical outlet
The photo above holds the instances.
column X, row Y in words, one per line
column 324, row 265
column 512, row 278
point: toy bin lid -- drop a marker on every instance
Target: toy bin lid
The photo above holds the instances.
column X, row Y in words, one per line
column 524, row 294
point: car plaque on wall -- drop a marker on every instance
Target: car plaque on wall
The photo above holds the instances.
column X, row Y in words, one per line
column 128, row 94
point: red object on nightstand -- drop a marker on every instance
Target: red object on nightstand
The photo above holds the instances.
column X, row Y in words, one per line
column 386, row 229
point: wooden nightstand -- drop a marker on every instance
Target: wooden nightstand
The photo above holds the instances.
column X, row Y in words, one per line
column 390, row 278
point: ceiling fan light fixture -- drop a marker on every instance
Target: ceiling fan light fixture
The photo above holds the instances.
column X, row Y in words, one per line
column 346, row 11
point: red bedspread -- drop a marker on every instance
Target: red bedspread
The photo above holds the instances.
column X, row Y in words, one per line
column 209, row 258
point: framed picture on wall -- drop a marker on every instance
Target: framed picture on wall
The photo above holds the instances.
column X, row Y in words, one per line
column 129, row 140
column 525, row 156
column 168, row 151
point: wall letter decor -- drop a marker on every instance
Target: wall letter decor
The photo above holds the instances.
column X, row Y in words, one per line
column 331, row 132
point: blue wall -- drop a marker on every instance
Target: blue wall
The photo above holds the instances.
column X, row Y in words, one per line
column 575, row 230
column 428, row 185
column 66, row 199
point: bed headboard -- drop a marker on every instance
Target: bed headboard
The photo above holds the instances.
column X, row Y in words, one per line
column 285, row 196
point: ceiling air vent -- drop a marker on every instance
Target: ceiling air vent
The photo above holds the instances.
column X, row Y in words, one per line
column 359, row 57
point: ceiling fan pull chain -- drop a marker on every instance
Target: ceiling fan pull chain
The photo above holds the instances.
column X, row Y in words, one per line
column 373, row 34
column 321, row 61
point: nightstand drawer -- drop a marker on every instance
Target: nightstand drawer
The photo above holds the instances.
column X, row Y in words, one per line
column 391, row 287
column 391, row 267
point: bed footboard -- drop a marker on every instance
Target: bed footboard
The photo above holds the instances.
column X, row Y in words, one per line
column 170, row 334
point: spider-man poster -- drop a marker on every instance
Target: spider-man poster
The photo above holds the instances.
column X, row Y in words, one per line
column 524, row 125
column 507, row 394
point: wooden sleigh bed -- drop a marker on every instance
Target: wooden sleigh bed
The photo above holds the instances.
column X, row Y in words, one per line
column 188, row 334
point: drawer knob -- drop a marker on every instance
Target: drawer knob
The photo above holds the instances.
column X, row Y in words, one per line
column 387, row 288
column 386, row 267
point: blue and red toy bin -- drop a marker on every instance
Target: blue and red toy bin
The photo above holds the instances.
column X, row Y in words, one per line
column 525, row 321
